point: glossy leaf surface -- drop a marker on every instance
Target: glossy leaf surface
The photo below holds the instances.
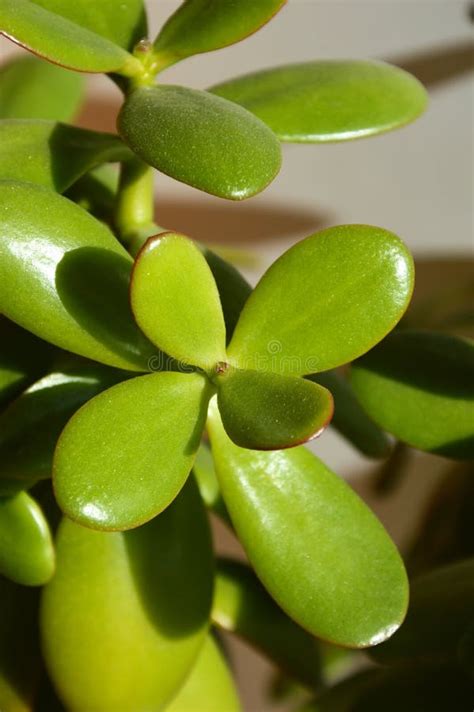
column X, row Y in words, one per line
column 441, row 609
column 329, row 100
column 53, row 155
column 61, row 41
column 266, row 411
column 176, row 303
column 350, row 419
column 31, row 425
column 209, row 687
column 204, row 25
column 242, row 606
column 64, row 276
column 26, row 547
column 420, row 387
column 33, row 89
column 216, row 146
column 121, row 22
column 124, row 456
column 295, row 518
column 126, row 613
column 325, row 301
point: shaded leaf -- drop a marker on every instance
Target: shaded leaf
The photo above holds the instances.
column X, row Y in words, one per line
column 175, row 301
column 266, row 411
column 206, row 478
column 125, row 455
column 295, row 518
column 216, row 146
column 329, row 100
column 125, row 615
column 420, row 387
column 325, row 301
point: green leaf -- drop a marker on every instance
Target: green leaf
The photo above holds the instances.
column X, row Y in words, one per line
column 216, row 146
column 205, row 25
column 26, row 547
column 350, row 419
column 209, row 687
column 242, row 606
column 325, row 301
column 96, row 192
column 31, row 425
column 206, row 479
column 61, row 41
column 266, row 411
column 64, row 276
column 441, row 608
column 33, row 89
column 295, row 519
column 53, row 155
column 126, row 613
column 125, row 455
column 121, row 22
column 420, row 387
column 329, row 100
column 234, row 290
column 176, row 302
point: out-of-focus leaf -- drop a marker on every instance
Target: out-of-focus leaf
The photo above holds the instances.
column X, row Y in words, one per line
column 216, row 146
column 96, row 192
column 208, row 484
column 234, row 290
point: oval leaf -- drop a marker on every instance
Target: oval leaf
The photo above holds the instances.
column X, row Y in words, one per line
column 204, row 25
column 175, row 301
column 242, row 606
column 216, row 146
column 53, row 155
column 209, row 687
column 61, row 41
column 420, row 387
column 329, row 100
column 125, row 455
column 325, row 301
column 266, row 411
column 33, row 89
column 234, row 290
column 125, row 615
column 295, row 518
column 65, row 277
column 26, row 547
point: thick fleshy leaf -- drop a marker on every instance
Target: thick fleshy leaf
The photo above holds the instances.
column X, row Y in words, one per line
column 65, row 277
column 325, row 301
column 97, row 191
column 204, row 25
column 266, row 411
column 123, row 23
column 242, row 606
column 31, row 425
column 33, row 89
column 23, row 358
column 26, row 547
column 234, row 290
column 216, row 146
column 206, row 478
column 441, row 609
column 125, row 615
column 125, row 455
column 350, row 419
column 295, row 518
column 175, row 301
column 61, row 41
column 329, row 100
column 53, row 155
column 420, row 387
column 209, row 687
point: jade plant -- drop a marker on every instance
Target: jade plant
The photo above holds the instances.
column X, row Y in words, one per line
column 144, row 384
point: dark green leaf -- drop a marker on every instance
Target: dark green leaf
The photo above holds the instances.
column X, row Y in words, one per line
column 325, row 301
column 65, row 277
column 329, row 100
column 266, row 411
column 295, row 519
column 215, row 146
column 126, row 613
column 420, row 387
